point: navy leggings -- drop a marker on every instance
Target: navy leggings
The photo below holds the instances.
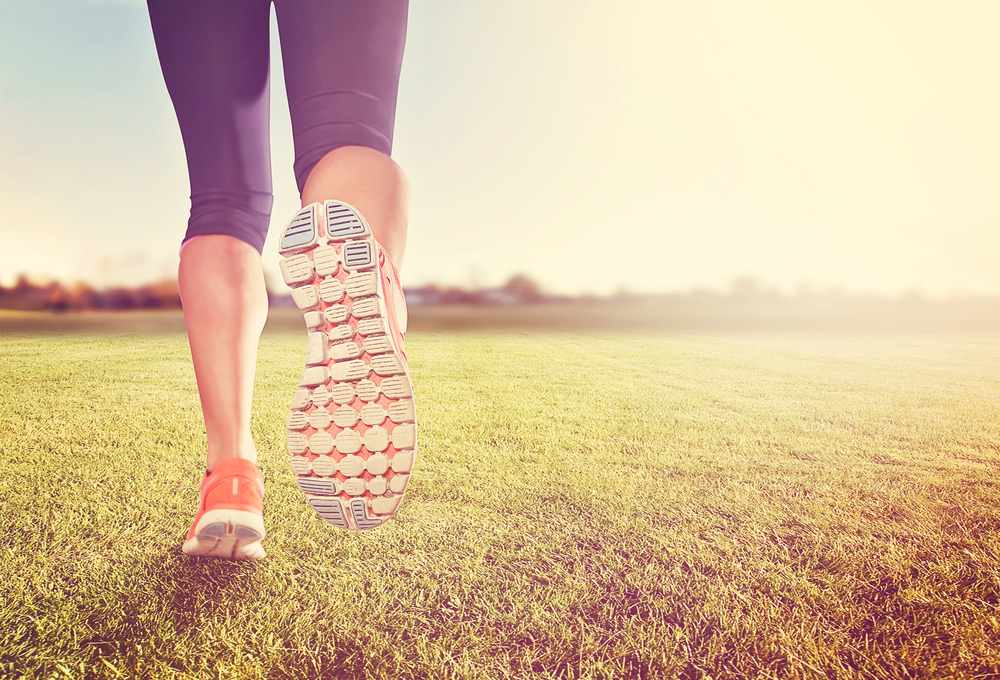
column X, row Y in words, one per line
column 341, row 61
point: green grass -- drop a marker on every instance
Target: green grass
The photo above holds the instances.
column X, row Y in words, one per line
column 585, row 505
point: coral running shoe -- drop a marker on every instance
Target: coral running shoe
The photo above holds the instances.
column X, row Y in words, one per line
column 353, row 426
column 230, row 521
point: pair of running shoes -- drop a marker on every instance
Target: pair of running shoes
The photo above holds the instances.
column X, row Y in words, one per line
column 352, row 430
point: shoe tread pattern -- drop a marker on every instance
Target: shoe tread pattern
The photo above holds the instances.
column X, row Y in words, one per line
column 348, row 457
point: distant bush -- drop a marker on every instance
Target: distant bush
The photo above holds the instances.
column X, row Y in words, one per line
column 57, row 297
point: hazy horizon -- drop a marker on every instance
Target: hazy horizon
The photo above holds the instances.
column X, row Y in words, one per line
column 592, row 146
column 740, row 287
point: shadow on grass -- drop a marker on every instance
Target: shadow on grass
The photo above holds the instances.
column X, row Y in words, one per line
column 181, row 593
column 192, row 587
column 188, row 607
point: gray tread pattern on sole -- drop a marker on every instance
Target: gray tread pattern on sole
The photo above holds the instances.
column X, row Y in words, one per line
column 331, row 510
column 214, row 530
column 247, row 532
column 318, row 486
column 359, row 511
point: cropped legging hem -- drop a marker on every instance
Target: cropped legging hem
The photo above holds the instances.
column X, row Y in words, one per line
column 241, row 215
column 341, row 65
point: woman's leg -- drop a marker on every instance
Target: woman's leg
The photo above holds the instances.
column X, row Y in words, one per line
column 342, row 63
column 353, row 421
column 225, row 306
column 214, row 58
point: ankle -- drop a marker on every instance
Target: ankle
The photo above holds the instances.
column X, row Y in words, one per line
column 214, row 458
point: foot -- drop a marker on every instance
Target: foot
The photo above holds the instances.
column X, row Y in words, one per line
column 230, row 520
column 353, row 428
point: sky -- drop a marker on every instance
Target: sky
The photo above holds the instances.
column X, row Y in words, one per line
column 594, row 145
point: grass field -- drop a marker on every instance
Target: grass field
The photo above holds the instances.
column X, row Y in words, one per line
column 585, row 505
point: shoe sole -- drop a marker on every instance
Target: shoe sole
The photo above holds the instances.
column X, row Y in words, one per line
column 353, row 424
column 228, row 534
